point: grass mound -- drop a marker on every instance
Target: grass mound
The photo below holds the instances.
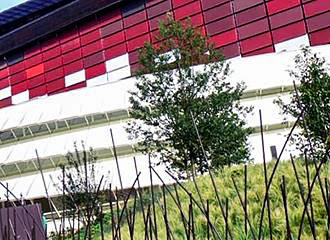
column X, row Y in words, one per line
column 255, row 194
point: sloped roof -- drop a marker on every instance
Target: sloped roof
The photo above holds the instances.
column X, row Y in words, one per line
column 31, row 20
column 27, row 11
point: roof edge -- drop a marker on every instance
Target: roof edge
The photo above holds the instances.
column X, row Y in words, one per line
column 59, row 18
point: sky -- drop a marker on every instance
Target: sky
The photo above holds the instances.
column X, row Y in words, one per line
column 5, row 4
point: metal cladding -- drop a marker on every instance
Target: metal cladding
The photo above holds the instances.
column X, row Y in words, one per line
column 93, row 46
column 83, row 47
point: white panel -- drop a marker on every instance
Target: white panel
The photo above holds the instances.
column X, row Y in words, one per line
column 5, row 93
column 117, row 62
column 97, row 80
column 293, row 44
column 276, row 139
column 118, row 74
column 13, row 116
column 271, row 112
column 21, row 97
column 95, row 137
column 170, row 55
column 263, row 71
column 32, row 186
column 32, row 115
column 75, row 78
column 118, row 91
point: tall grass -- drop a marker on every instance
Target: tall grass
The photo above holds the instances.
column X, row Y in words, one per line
column 255, row 194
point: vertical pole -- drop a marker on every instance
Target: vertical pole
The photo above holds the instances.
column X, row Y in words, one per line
column 245, row 201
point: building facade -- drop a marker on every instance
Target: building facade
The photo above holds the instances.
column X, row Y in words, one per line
column 66, row 68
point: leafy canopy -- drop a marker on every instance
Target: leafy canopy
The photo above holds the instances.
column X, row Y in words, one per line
column 313, row 99
column 174, row 87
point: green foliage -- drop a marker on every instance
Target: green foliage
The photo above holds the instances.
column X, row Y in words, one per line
column 313, row 98
column 181, row 79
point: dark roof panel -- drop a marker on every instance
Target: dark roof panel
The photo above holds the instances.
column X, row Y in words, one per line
column 33, row 26
column 27, row 10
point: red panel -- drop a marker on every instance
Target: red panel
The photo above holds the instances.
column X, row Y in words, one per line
column 138, row 42
column 269, row 49
column 34, row 71
column 36, row 81
column 68, row 34
column 92, row 48
column 133, row 57
column 90, row 37
column 187, row 10
column 316, row 7
column 70, row 45
column 221, row 25
column 212, row 3
column 73, row 67
column 134, row 68
column 136, row 30
column 178, row 3
column 71, row 56
column 276, row 6
column 218, row 12
column 18, row 88
column 55, row 85
column 152, row 2
column 94, row 59
column 109, row 16
column 54, row 74
column 54, row 63
column 256, row 42
column 320, row 37
column 135, row 19
column 33, row 60
column 62, row 90
column 38, row 91
column 159, row 9
column 115, row 51
column 88, row 25
column 4, row 73
column 154, row 36
column 240, row 5
column 252, row 29
column 76, row 86
column 251, row 14
column 318, row 22
column 286, row 17
column 17, row 67
column 196, row 20
column 5, row 102
column 49, row 43
column 230, row 51
column 32, row 50
column 51, row 53
column 112, row 28
column 113, row 39
column 154, row 23
column 224, row 38
column 4, row 83
column 18, row 77
column 96, row 70
column 289, row 32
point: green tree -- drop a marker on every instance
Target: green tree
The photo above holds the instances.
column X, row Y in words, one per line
column 174, row 87
column 312, row 99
